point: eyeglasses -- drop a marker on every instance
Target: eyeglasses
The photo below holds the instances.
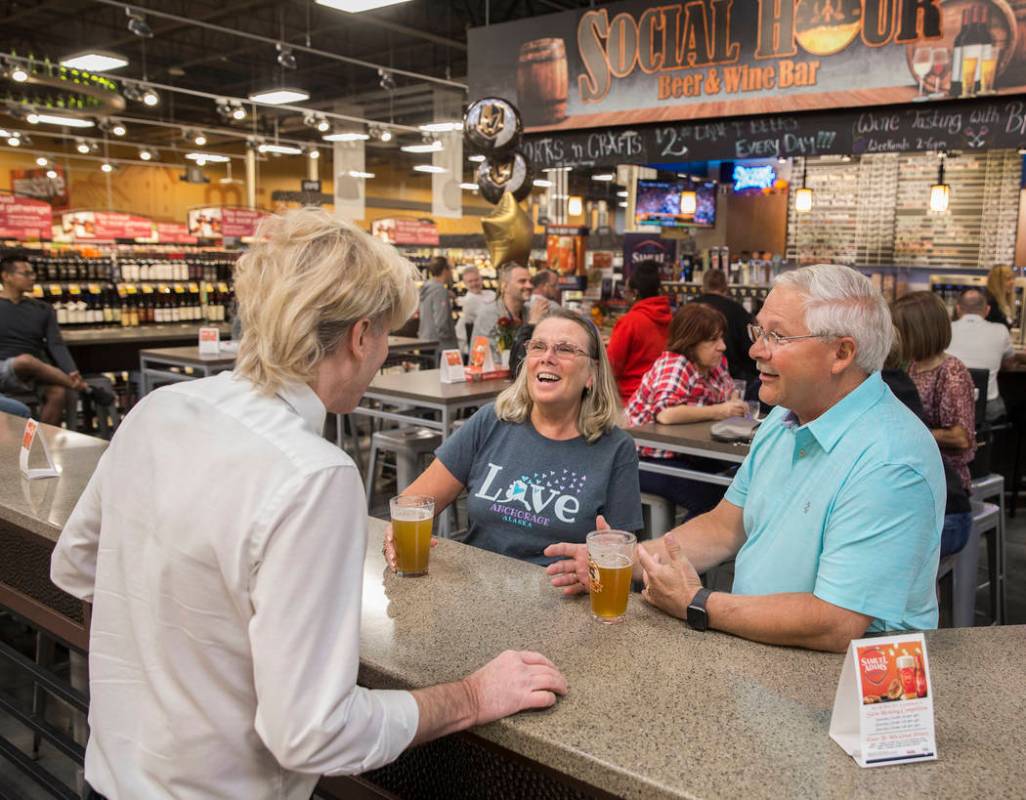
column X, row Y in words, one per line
column 564, row 350
column 774, row 339
column 28, row 273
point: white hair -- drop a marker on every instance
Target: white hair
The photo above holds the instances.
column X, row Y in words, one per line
column 840, row 301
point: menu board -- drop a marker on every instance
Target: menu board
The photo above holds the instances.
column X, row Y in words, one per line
column 24, row 218
column 963, row 125
column 105, row 225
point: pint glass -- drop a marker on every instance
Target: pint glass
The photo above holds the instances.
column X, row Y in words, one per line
column 412, row 518
column 610, row 564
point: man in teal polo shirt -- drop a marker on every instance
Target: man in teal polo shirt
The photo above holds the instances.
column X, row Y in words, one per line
column 835, row 516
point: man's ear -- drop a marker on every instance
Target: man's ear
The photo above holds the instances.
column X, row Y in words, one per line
column 358, row 338
column 844, row 354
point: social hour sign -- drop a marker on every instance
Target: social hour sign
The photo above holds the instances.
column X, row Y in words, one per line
column 632, row 62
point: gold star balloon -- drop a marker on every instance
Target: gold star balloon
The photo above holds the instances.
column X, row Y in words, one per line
column 508, row 232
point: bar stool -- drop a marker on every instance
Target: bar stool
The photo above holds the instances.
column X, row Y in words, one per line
column 962, row 566
column 409, row 446
column 985, row 488
column 658, row 514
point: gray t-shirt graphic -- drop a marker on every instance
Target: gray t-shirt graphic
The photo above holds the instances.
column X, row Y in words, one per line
column 525, row 492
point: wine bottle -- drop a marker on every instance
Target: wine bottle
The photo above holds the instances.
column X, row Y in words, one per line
column 956, row 56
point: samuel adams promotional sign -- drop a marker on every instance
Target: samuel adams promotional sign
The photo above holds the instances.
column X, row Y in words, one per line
column 633, row 62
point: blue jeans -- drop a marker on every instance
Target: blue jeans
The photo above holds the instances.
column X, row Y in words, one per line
column 955, row 532
column 11, row 406
column 696, row 496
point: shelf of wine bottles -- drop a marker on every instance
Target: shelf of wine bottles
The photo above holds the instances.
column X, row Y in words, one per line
column 134, row 267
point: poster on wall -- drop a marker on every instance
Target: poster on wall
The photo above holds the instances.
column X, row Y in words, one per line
column 638, row 247
column 565, row 249
column 643, row 61
column 105, row 226
column 36, row 183
column 406, row 231
column 219, row 222
column 24, row 218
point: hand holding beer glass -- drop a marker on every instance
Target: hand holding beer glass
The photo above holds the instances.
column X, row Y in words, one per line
column 408, row 540
column 610, row 565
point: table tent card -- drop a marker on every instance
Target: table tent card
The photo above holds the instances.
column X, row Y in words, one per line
column 481, row 355
column 452, row 367
column 883, row 710
column 29, row 437
column 209, row 339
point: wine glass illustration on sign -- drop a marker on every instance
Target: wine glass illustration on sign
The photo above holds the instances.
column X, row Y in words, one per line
column 922, row 62
column 938, row 69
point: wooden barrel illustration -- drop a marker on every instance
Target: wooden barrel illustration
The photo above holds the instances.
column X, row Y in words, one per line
column 542, row 82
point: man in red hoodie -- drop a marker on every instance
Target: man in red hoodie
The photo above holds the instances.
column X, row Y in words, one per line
column 639, row 338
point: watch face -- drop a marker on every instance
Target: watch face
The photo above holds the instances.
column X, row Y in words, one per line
column 697, row 618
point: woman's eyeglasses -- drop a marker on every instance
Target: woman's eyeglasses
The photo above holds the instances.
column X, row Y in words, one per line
column 564, row 350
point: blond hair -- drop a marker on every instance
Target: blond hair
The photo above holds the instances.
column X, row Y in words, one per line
column 303, row 285
column 999, row 284
column 600, row 407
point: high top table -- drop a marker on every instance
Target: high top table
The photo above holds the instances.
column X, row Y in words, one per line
column 692, row 439
column 424, row 390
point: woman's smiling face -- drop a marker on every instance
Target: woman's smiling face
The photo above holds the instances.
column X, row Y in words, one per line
column 559, row 378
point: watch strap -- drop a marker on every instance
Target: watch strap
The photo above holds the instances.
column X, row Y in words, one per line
column 697, row 615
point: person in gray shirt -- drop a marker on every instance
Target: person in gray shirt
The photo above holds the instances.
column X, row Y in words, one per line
column 548, row 458
column 436, row 322
column 546, row 291
column 514, row 291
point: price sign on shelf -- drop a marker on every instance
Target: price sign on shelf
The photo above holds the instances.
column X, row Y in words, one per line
column 209, row 341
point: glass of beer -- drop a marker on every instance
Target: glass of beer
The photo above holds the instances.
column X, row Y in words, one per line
column 412, row 519
column 610, row 564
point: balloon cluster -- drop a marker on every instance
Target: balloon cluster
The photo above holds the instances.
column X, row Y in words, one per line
column 492, row 128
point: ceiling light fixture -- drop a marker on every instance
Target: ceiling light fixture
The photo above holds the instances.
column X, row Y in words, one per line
column 623, row 193
column 386, row 136
column 387, row 82
column 541, row 182
column 477, row 159
column 150, row 97
column 119, row 129
column 14, row 141
column 42, row 161
column 106, row 167
column 279, row 96
column 146, row 154
column 137, row 24
column 940, row 192
column 286, row 58
column 19, row 74
column 356, row 6
column 212, row 158
column 430, row 168
column 431, row 147
column 280, row 149
column 82, row 146
column 314, row 153
column 95, row 61
column 356, row 173
column 55, row 119
column 605, row 177
column 199, row 139
column 346, row 136
column 469, row 187
column 803, row 196
column 51, row 174
column 441, row 127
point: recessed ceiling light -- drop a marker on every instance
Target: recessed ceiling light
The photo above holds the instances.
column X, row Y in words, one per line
column 42, row 161
column 430, row 168
column 145, row 155
column 356, row 6
column 51, row 174
column 199, row 139
column 281, row 149
column 209, row 157
column 14, row 141
column 277, row 97
column 55, row 119
column 19, row 74
column 478, row 158
column 105, row 167
column 348, row 136
column 441, row 127
column 433, row 147
column 118, row 129
column 314, row 153
column 95, row 61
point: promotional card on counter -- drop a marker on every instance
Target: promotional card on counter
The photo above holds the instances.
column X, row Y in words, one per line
column 27, row 440
column 883, row 710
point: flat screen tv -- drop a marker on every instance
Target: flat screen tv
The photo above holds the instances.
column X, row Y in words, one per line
column 658, row 203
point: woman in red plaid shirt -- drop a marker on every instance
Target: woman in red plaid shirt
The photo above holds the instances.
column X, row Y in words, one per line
column 687, row 383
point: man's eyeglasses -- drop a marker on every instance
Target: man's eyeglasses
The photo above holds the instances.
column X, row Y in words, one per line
column 564, row 350
column 26, row 273
column 774, row 339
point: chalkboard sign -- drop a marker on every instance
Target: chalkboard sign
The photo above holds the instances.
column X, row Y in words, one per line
column 957, row 125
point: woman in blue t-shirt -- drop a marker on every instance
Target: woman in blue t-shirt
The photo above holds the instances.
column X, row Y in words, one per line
column 542, row 463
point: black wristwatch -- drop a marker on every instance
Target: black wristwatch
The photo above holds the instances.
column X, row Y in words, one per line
column 698, row 617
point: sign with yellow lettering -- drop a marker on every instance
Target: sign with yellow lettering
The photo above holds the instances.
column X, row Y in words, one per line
column 642, row 61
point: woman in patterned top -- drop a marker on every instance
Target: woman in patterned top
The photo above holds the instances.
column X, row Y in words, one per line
column 943, row 382
column 689, row 382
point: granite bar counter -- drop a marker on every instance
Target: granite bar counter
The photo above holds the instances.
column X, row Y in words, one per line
column 114, row 349
column 655, row 710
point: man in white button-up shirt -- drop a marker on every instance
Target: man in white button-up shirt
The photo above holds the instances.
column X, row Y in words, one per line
column 221, row 542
